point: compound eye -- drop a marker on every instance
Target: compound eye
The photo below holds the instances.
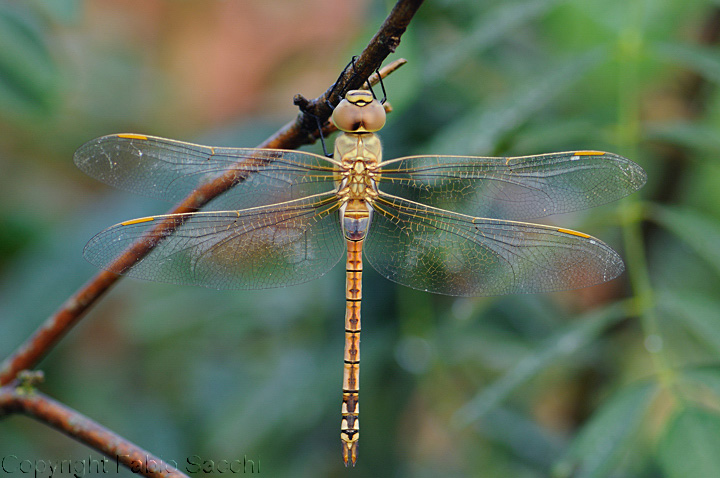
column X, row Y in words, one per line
column 373, row 118
column 359, row 112
column 347, row 116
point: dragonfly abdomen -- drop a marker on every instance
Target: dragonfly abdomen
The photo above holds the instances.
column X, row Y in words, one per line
column 350, row 424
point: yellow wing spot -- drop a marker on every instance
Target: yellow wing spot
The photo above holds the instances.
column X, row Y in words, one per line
column 589, row 153
column 574, row 233
column 132, row 136
column 137, row 221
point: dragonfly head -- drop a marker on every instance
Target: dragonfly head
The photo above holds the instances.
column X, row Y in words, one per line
column 359, row 112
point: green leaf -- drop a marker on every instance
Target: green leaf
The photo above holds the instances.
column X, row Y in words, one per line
column 700, row 232
column 28, row 76
column 685, row 133
column 526, row 437
column 605, row 439
column 560, row 345
column 706, row 377
column 481, row 129
column 491, row 28
column 562, row 134
column 690, row 443
column 696, row 312
column 704, row 60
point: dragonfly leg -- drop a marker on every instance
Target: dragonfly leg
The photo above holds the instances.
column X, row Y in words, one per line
column 332, row 90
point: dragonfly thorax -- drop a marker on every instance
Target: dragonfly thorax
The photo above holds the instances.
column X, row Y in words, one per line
column 358, row 156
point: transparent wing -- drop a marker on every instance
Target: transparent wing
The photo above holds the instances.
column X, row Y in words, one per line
column 170, row 170
column 257, row 248
column 513, row 188
column 439, row 251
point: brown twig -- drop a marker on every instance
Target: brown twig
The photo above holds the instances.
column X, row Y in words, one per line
column 384, row 42
column 17, row 397
column 290, row 136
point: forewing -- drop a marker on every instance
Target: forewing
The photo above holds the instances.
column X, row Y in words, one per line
column 439, row 251
column 513, row 188
column 170, row 170
column 258, row 248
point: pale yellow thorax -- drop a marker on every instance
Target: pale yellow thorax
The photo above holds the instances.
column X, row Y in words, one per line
column 359, row 155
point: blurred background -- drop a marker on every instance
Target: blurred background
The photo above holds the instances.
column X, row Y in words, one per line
column 617, row 380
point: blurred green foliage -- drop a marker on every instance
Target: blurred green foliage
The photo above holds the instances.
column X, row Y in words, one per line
column 621, row 380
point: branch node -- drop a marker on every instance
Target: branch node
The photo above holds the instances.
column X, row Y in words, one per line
column 28, row 380
column 393, row 43
column 301, row 102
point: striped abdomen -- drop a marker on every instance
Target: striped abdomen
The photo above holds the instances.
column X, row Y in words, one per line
column 350, row 425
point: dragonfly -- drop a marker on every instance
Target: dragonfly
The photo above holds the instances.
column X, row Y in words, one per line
column 445, row 224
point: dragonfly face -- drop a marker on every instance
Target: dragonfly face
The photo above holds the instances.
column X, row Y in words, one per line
column 444, row 224
column 359, row 112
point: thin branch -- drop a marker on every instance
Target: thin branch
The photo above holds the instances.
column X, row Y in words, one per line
column 291, row 136
column 381, row 45
column 18, row 398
